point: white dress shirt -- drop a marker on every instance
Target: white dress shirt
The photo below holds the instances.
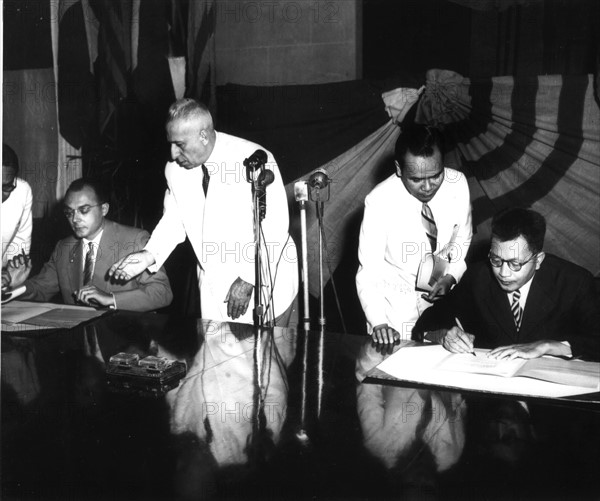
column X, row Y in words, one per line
column 85, row 247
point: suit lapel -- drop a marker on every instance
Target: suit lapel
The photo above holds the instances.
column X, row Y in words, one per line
column 496, row 302
column 104, row 255
column 539, row 303
column 75, row 266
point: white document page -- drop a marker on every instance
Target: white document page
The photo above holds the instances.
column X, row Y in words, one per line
column 418, row 364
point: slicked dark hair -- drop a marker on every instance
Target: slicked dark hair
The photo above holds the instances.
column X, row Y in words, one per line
column 9, row 157
column 95, row 185
column 419, row 140
column 510, row 224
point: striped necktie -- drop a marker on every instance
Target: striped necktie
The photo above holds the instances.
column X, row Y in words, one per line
column 88, row 269
column 429, row 225
column 205, row 179
column 517, row 311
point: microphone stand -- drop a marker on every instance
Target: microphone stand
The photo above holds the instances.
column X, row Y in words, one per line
column 301, row 195
column 304, row 191
column 259, row 309
column 319, row 197
column 320, row 207
column 255, row 165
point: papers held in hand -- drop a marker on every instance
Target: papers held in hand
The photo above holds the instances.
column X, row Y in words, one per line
column 435, row 266
column 432, row 268
column 10, row 295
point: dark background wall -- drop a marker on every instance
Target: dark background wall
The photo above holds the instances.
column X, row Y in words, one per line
column 480, row 38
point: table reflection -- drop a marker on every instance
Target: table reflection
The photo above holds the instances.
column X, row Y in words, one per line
column 230, row 429
column 458, row 445
column 415, row 433
column 233, row 392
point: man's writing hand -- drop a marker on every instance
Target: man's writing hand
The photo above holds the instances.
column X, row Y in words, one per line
column 131, row 266
column 90, row 295
column 458, row 341
column 238, row 298
column 383, row 333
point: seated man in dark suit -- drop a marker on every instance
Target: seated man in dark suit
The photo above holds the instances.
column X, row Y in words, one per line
column 79, row 264
column 523, row 303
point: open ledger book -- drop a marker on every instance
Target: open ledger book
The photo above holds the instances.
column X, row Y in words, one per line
column 545, row 376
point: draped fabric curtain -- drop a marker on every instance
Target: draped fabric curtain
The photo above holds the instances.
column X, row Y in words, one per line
column 528, row 142
column 353, row 175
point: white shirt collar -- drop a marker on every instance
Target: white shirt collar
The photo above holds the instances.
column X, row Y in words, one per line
column 524, row 290
column 95, row 240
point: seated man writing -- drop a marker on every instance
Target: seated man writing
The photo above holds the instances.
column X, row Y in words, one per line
column 522, row 303
column 78, row 267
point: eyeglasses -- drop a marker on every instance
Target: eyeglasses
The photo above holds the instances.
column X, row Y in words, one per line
column 513, row 264
column 83, row 210
column 9, row 187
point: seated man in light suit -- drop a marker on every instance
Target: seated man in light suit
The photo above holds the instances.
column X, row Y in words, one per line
column 523, row 303
column 81, row 277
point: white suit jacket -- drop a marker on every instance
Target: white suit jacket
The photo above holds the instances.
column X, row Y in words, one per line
column 220, row 228
column 16, row 222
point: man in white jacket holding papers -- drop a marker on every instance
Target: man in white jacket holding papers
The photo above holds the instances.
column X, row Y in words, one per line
column 422, row 209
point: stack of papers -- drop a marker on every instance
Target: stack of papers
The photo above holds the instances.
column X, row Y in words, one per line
column 545, row 377
column 22, row 315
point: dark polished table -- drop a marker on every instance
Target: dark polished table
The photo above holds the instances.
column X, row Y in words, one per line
column 277, row 414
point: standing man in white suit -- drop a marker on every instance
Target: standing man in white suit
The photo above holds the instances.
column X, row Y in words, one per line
column 209, row 200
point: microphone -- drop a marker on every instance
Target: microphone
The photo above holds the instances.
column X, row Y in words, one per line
column 319, row 179
column 256, row 160
column 264, row 179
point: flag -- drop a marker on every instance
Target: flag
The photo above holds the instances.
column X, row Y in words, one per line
column 114, row 63
column 200, row 73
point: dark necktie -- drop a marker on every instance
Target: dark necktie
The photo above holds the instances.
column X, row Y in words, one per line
column 429, row 225
column 205, row 179
column 517, row 311
column 88, row 269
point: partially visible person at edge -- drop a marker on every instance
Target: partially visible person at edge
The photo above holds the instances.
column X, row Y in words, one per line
column 16, row 213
